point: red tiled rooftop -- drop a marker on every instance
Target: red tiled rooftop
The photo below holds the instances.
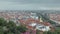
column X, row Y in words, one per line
column 46, row 24
column 29, row 20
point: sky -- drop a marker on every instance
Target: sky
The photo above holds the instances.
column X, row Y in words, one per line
column 29, row 4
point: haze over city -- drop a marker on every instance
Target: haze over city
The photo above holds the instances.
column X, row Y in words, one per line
column 29, row 16
column 29, row 4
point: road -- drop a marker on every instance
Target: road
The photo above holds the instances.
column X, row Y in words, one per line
column 58, row 22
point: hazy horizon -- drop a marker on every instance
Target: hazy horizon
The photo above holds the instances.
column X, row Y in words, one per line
column 29, row 4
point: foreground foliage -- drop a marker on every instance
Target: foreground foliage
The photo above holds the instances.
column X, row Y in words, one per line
column 10, row 27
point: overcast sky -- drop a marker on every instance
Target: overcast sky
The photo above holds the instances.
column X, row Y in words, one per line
column 29, row 4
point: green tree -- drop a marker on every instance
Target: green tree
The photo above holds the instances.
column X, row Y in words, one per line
column 3, row 22
column 21, row 28
column 1, row 30
column 10, row 33
column 12, row 28
column 11, row 24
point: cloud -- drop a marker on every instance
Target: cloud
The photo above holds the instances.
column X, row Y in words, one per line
column 29, row 4
column 34, row 1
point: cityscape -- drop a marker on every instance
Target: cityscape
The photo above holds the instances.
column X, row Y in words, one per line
column 29, row 16
column 32, row 21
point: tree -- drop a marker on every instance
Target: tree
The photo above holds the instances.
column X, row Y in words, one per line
column 3, row 22
column 11, row 24
column 21, row 28
column 10, row 27
column 10, row 33
column 1, row 30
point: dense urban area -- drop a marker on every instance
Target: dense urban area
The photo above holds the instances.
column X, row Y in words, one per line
column 29, row 22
